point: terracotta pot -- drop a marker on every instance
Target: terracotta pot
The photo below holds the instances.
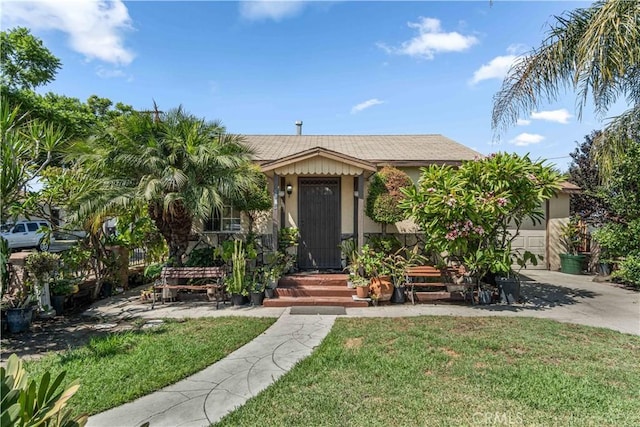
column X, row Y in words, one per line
column 362, row 291
column 382, row 288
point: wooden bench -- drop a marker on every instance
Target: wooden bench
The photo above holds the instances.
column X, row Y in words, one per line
column 434, row 277
column 171, row 276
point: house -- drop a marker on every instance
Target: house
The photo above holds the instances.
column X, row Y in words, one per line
column 319, row 185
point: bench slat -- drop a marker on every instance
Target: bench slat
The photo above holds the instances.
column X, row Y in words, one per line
column 175, row 273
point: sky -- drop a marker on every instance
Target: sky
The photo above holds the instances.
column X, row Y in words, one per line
column 341, row 67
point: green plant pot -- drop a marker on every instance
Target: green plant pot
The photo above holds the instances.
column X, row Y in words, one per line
column 571, row 264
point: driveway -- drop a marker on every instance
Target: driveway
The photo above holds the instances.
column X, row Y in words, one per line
column 550, row 295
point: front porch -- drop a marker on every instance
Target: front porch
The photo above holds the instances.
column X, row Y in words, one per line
column 322, row 194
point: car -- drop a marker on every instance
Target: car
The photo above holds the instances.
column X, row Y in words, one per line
column 27, row 234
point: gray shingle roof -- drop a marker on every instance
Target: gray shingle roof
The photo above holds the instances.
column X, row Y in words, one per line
column 374, row 148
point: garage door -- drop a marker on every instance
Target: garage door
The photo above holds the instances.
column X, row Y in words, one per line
column 533, row 241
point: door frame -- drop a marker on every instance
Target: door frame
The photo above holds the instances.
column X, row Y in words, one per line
column 338, row 208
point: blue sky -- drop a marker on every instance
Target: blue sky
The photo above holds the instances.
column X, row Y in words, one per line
column 342, row 67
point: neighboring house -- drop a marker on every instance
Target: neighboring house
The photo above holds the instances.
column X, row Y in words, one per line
column 319, row 185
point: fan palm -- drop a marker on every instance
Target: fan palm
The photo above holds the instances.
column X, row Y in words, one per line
column 595, row 51
column 180, row 166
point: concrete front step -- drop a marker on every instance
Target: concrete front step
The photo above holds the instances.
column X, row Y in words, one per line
column 315, row 291
column 307, row 301
column 336, row 280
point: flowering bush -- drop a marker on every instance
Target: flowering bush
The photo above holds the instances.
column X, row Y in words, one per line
column 469, row 213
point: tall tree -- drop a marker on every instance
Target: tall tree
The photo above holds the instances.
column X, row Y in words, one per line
column 25, row 62
column 181, row 166
column 596, row 52
column 584, row 172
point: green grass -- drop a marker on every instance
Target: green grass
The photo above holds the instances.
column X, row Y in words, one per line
column 124, row 366
column 448, row 371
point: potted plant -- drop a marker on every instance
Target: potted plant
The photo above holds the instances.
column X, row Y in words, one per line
column 473, row 213
column 397, row 264
column 256, row 290
column 611, row 244
column 19, row 308
column 276, row 263
column 236, row 282
column 362, row 286
column 348, row 251
column 41, row 268
column 571, row 261
column 60, row 289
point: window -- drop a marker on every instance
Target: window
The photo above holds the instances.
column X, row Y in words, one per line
column 19, row 229
column 32, row 226
column 226, row 220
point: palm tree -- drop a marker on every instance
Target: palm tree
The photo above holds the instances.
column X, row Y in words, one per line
column 596, row 52
column 180, row 166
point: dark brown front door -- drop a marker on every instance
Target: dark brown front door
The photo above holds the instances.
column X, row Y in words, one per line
column 319, row 221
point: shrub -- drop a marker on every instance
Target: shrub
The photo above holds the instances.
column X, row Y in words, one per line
column 629, row 270
column 618, row 239
column 473, row 213
column 201, row 257
column 385, row 194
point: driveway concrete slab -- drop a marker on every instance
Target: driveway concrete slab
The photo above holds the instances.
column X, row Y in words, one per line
column 207, row 396
column 548, row 294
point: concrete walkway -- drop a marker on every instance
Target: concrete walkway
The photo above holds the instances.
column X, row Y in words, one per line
column 207, row 396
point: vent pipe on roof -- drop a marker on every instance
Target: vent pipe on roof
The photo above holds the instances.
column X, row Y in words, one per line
column 299, row 127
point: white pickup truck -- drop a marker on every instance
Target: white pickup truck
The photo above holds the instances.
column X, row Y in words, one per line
column 27, row 234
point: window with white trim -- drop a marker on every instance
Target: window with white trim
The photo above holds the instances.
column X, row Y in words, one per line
column 225, row 220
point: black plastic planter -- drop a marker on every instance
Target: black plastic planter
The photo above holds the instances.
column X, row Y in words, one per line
column 509, row 288
column 257, row 298
column 19, row 319
column 237, row 299
column 398, row 295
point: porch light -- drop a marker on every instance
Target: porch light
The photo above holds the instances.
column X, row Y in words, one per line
column 289, row 189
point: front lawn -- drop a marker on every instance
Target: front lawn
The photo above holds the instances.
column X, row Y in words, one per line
column 449, row 371
column 124, row 366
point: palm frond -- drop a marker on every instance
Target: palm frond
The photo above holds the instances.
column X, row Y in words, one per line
column 595, row 51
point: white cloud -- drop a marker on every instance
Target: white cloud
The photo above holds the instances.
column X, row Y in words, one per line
column 431, row 40
column 109, row 73
column 95, row 28
column 523, row 122
column 558, row 116
column 497, row 68
column 366, row 104
column 267, row 9
column 516, row 49
column 525, row 139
